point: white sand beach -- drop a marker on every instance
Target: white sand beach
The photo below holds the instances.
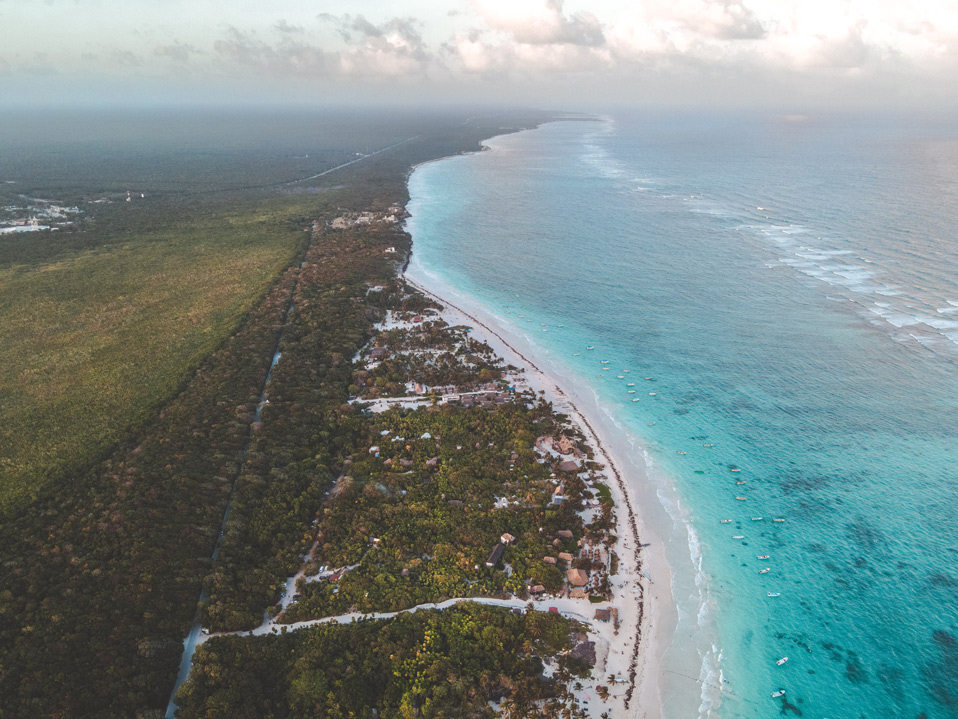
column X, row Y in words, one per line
column 643, row 584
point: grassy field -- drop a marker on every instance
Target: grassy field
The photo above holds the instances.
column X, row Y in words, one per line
column 91, row 344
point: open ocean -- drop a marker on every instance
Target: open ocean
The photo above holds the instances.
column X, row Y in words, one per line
column 790, row 286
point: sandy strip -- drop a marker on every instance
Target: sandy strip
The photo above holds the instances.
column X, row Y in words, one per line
column 646, row 609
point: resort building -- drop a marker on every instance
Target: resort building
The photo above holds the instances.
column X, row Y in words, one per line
column 495, row 555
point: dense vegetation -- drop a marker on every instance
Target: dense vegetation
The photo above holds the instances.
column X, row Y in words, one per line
column 99, row 579
column 420, row 534
column 300, row 443
column 427, row 664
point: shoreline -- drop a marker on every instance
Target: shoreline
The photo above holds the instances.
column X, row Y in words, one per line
column 646, row 604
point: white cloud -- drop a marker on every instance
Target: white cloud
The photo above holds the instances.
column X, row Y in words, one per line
column 245, row 51
column 177, row 52
column 391, row 49
column 540, row 22
column 285, row 27
column 364, row 50
column 524, row 45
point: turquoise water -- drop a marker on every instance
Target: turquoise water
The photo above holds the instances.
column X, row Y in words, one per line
column 789, row 284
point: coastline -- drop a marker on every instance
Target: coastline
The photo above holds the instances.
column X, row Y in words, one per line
column 646, row 605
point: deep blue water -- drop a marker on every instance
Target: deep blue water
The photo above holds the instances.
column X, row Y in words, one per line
column 791, row 287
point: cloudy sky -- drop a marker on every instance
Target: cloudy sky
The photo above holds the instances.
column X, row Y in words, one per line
column 711, row 52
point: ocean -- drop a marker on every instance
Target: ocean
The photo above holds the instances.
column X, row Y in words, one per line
column 777, row 301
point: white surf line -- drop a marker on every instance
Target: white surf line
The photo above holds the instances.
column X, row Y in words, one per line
column 353, row 162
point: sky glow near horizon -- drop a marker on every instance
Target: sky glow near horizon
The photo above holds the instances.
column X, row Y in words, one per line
column 712, row 52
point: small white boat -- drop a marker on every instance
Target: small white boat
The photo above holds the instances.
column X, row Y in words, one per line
column 774, row 594
column 781, row 661
column 735, row 469
column 605, row 369
column 779, row 693
column 604, row 361
column 739, row 536
column 631, row 384
column 631, row 391
column 648, row 378
column 765, row 571
column 590, row 348
column 708, row 445
column 575, row 354
column 740, row 482
column 756, row 519
column 762, row 556
column 680, row 452
column 742, row 499
column 636, row 399
column 651, row 394
column 778, row 519
column 650, row 423
column 725, row 521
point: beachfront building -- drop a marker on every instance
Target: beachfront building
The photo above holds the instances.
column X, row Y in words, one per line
column 565, row 445
column 557, row 496
column 495, row 555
